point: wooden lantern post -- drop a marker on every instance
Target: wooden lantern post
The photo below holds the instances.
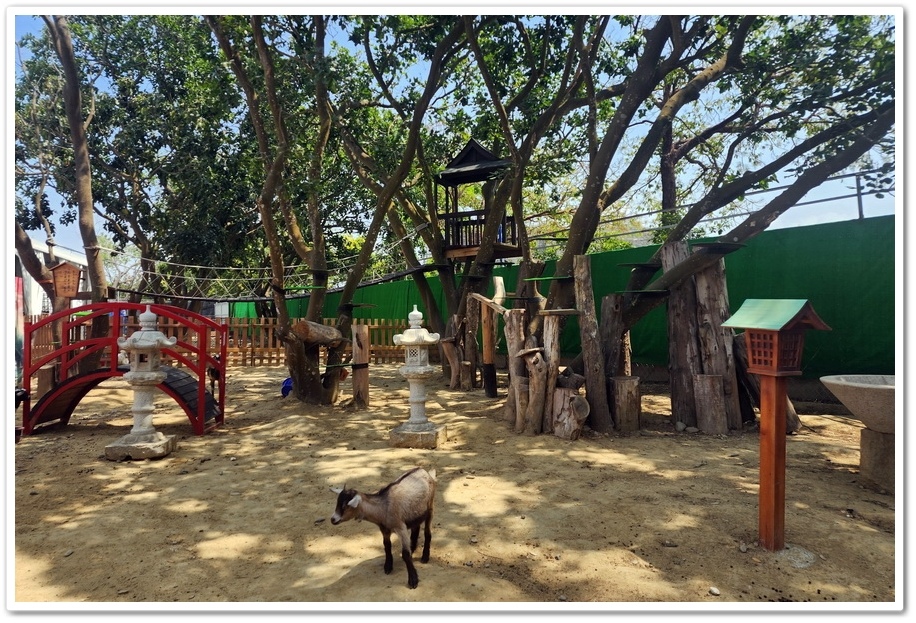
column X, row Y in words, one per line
column 775, row 336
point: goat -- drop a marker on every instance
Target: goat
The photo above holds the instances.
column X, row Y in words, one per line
column 399, row 507
column 213, row 373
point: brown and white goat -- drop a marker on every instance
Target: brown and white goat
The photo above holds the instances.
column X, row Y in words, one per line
column 399, row 507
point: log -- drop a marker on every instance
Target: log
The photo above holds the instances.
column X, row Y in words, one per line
column 515, row 341
column 570, row 412
column 600, row 417
column 710, row 404
column 314, row 333
column 626, row 402
column 361, row 351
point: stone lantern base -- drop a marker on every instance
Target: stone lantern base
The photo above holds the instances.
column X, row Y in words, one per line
column 426, row 435
column 876, row 458
column 145, row 446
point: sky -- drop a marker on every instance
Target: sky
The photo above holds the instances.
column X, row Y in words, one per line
column 815, row 212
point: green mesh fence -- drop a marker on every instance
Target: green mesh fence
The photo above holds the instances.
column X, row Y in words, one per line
column 846, row 270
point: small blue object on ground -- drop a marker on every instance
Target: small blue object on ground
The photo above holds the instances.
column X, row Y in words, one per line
column 287, row 387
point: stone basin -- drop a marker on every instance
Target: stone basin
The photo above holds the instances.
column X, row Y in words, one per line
column 869, row 397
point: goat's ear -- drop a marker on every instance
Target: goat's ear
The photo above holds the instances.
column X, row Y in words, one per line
column 335, row 490
column 354, row 502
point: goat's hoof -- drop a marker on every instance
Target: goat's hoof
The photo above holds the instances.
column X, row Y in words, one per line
column 424, row 559
column 413, row 583
column 388, row 569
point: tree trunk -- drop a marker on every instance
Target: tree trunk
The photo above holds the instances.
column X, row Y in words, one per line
column 710, row 404
column 361, row 350
column 683, row 350
column 59, row 29
column 716, row 341
column 600, row 417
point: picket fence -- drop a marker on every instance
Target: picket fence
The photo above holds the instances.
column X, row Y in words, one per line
column 254, row 342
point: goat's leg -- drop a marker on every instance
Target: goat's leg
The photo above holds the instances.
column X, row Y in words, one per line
column 412, row 577
column 427, row 535
column 389, row 559
column 414, row 536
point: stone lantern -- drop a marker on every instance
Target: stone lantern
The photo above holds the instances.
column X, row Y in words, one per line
column 418, row 431
column 144, row 348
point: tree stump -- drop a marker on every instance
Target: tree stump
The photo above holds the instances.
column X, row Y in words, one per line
column 626, row 402
column 570, row 412
column 711, row 415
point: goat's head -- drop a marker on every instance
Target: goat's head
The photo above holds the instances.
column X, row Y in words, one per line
column 347, row 501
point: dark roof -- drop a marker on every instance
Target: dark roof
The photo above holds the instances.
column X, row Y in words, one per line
column 475, row 163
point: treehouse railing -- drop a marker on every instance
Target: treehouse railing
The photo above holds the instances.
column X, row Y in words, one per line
column 465, row 229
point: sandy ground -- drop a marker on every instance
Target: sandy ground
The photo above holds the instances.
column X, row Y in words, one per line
column 242, row 514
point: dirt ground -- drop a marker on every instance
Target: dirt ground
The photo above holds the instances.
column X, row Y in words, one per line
column 534, row 522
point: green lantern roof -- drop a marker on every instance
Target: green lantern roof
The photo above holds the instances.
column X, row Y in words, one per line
column 775, row 315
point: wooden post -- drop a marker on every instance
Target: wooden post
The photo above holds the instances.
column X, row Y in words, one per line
column 520, row 386
column 472, row 323
column 488, row 326
column 710, row 400
column 361, row 350
column 772, row 512
column 515, row 341
column 600, row 417
column 552, row 360
column 626, row 401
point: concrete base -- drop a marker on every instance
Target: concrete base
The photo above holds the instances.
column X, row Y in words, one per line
column 427, row 436
column 876, row 458
column 148, row 446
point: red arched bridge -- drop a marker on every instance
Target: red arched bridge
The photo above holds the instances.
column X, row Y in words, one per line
column 201, row 345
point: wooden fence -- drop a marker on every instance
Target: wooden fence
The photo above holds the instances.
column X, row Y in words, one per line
column 253, row 341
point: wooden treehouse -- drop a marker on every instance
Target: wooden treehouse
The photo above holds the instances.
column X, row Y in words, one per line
column 463, row 228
